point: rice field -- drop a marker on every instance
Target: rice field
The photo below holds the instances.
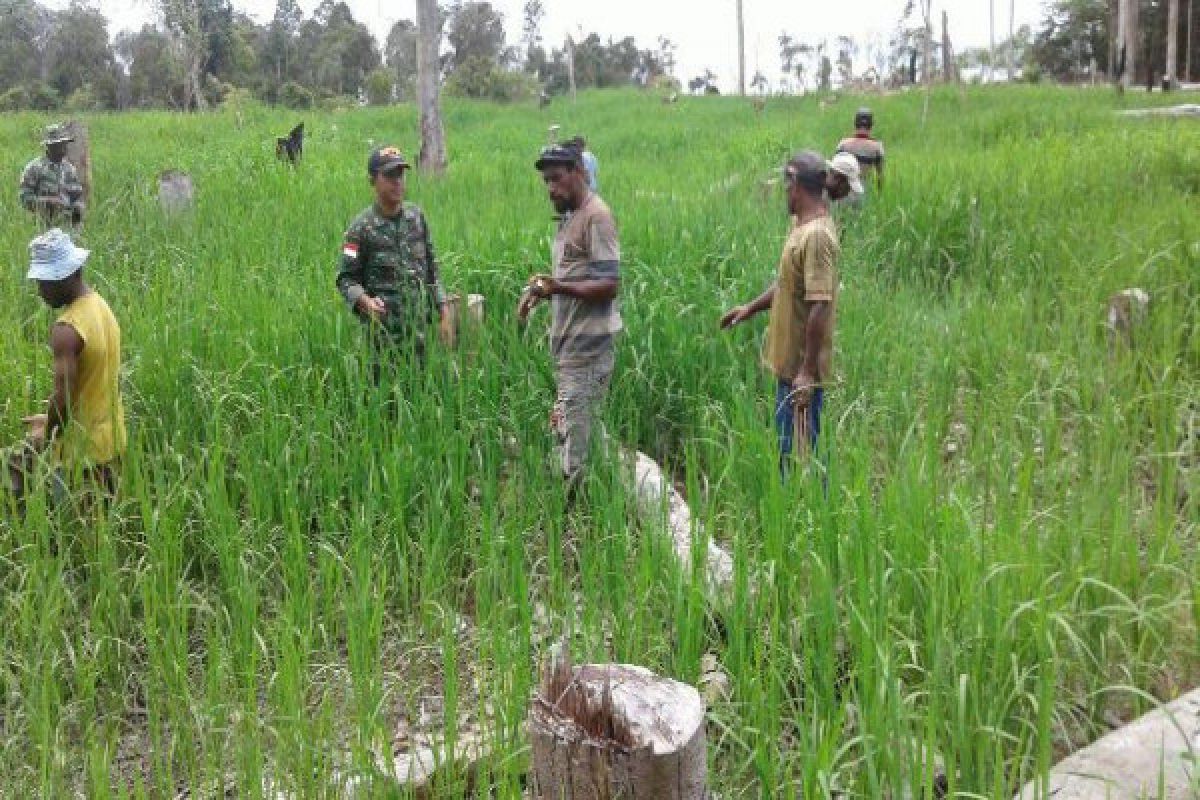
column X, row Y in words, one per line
column 297, row 581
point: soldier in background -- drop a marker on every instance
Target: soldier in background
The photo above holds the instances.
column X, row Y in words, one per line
column 50, row 187
column 387, row 273
column 867, row 149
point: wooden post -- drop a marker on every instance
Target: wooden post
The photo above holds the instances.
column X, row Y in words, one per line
column 616, row 732
column 80, row 155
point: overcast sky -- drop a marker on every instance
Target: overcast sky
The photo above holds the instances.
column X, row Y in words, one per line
column 703, row 30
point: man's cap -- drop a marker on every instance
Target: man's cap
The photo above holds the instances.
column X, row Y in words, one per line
column 807, row 168
column 57, row 134
column 385, row 158
column 863, row 118
column 561, row 154
column 847, row 165
column 54, row 257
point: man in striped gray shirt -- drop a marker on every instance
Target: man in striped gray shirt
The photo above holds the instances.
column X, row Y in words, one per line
column 585, row 312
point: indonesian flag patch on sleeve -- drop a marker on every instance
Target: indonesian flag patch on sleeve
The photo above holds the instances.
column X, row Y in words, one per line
column 350, row 250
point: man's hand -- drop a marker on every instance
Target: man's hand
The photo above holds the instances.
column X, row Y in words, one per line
column 446, row 330
column 802, row 388
column 544, row 286
column 529, row 301
column 736, row 316
column 36, row 436
column 372, row 307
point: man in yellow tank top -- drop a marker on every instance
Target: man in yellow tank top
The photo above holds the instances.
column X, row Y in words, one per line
column 84, row 423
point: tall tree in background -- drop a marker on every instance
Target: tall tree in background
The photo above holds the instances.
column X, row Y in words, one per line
column 80, row 57
column 281, row 39
column 156, row 76
column 741, row 33
column 1172, row 41
column 400, row 53
column 1072, row 35
column 1012, row 33
column 992, row 38
column 183, row 20
column 432, row 157
column 475, row 30
column 532, row 15
column 1127, row 41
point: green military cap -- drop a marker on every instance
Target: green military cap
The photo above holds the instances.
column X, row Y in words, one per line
column 57, row 134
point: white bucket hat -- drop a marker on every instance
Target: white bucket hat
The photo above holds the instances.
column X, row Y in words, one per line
column 846, row 164
column 54, row 257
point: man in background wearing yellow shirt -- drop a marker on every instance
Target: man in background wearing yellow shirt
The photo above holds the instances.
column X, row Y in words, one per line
column 802, row 301
column 84, row 423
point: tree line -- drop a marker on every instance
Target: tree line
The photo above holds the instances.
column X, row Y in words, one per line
column 201, row 53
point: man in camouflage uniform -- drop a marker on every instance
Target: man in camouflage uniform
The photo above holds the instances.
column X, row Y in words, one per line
column 585, row 312
column 387, row 273
column 50, row 187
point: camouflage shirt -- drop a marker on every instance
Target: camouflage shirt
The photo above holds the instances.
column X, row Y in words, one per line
column 392, row 258
column 42, row 178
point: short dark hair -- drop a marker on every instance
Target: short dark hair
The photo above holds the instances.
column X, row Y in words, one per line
column 560, row 155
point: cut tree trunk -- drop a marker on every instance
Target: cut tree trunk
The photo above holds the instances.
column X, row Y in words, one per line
column 1153, row 756
column 176, row 193
column 658, row 500
column 432, row 157
column 79, row 153
column 616, row 731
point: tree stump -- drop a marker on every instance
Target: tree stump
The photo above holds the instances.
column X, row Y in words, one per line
column 616, row 732
column 80, row 155
column 176, row 194
column 468, row 320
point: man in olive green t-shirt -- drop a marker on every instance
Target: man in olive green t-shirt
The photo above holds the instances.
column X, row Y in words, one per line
column 802, row 302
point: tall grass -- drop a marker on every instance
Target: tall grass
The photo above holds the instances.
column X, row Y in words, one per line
column 292, row 570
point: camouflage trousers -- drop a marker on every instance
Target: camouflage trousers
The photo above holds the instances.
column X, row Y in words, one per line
column 581, row 390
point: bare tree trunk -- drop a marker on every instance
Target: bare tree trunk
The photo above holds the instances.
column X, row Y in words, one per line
column 1172, row 42
column 949, row 68
column 741, row 50
column 1012, row 35
column 432, row 157
column 571, row 67
column 196, row 80
column 1114, row 38
column 992, row 39
column 1127, row 39
column 609, row 731
column 1187, row 67
column 927, row 57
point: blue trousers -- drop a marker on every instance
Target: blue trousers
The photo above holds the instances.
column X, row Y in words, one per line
column 785, row 421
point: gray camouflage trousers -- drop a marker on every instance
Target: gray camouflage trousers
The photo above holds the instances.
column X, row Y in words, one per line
column 581, row 390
